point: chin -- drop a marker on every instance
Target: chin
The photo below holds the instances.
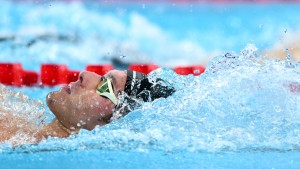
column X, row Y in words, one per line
column 50, row 100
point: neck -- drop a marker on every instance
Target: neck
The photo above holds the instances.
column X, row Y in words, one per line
column 53, row 129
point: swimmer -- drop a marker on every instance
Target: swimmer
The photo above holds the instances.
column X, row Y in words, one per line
column 91, row 101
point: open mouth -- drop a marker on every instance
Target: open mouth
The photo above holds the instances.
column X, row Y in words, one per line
column 67, row 88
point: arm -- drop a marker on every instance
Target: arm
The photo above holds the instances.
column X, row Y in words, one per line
column 10, row 125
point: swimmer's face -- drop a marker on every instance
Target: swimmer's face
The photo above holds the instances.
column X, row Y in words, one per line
column 78, row 105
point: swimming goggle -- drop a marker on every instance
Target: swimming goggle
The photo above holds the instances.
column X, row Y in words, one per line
column 105, row 89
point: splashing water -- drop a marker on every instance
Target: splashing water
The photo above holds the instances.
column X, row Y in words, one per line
column 18, row 115
column 240, row 103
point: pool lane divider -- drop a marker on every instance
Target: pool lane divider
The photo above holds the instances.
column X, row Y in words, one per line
column 99, row 69
column 186, row 70
column 56, row 74
column 143, row 68
column 12, row 74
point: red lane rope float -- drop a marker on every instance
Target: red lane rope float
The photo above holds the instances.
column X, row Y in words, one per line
column 54, row 74
column 73, row 75
column 99, row 69
column 30, row 78
column 294, row 87
column 143, row 68
column 11, row 74
column 186, row 70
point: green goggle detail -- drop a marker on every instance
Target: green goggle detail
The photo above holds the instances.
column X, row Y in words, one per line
column 105, row 89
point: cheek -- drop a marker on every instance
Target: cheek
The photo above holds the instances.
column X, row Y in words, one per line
column 98, row 107
column 106, row 109
column 85, row 104
column 91, row 105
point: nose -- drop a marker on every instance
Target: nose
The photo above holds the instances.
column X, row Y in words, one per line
column 88, row 79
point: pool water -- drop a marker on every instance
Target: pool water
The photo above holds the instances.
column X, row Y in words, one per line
column 152, row 159
column 238, row 114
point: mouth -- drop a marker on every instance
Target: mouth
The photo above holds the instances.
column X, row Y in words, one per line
column 67, row 88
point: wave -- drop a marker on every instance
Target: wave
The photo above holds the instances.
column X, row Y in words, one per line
column 240, row 103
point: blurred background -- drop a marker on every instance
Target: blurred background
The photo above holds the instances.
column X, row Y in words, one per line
column 164, row 32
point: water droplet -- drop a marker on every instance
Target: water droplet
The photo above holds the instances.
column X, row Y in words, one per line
column 122, row 56
column 82, row 122
column 229, row 55
column 197, row 71
column 277, row 109
column 288, row 57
